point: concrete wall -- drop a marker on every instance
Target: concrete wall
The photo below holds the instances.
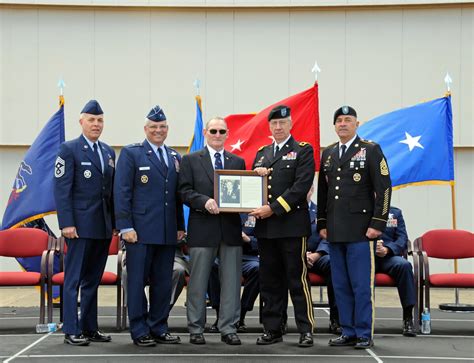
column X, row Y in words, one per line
column 376, row 58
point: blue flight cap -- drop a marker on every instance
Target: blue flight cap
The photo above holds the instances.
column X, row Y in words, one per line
column 93, row 108
column 156, row 114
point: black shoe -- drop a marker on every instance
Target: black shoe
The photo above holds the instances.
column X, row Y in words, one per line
column 408, row 329
column 231, row 339
column 343, row 341
column 284, row 328
column 76, row 339
column 144, row 341
column 241, row 327
column 306, row 340
column 197, row 338
column 97, row 336
column 334, row 327
column 269, row 337
column 364, row 343
column 213, row 328
column 166, row 338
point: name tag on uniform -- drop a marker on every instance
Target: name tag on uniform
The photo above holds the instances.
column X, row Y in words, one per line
column 144, row 168
column 86, row 163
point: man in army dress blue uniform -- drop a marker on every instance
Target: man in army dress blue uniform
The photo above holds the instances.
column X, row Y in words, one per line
column 282, row 228
column 150, row 218
column 354, row 191
column 84, row 172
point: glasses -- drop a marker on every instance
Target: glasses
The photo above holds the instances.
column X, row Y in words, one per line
column 214, row 131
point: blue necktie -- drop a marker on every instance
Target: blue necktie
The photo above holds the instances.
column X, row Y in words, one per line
column 97, row 157
column 162, row 160
column 343, row 150
column 218, row 164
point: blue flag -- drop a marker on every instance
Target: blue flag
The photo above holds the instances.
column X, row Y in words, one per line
column 32, row 193
column 197, row 143
column 417, row 142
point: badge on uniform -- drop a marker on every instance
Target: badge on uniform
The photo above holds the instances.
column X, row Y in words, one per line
column 383, row 168
column 361, row 155
column 250, row 222
column 351, row 165
column 392, row 222
column 87, row 174
column 144, row 168
column 59, row 167
column 111, row 162
column 356, row 177
column 260, row 161
column 144, row 179
column 290, row 156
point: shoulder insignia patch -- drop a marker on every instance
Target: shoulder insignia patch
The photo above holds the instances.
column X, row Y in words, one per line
column 367, row 141
column 261, row 147
column 137, row 144
column 303, row 143
column 383, row 168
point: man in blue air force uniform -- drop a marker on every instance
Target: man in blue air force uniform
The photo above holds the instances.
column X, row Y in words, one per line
column 84, row 172
column 354, row 191
column 391, row 246
column 150, row 219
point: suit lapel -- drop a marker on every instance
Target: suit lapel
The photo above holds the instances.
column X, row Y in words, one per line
column 206, row 163
column 228, row 160
column 152, row 157
column 353, row 149
column 90, row 154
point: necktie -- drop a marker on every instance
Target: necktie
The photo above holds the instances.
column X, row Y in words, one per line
column 97, row 157
column 162, row 160
column 343, row 150
column 277, row 149
column 218, row 164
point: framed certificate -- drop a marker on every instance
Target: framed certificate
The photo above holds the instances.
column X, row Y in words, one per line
column 239, row 190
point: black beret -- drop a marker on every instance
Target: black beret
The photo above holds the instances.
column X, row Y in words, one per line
column 344, row 110
column 281, row 111
column 156, row 114
column 92, row 107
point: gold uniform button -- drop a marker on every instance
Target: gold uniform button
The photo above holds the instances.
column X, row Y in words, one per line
column 269, row 195
column 336, row 197
column 269, row 187
column 364, row 211
column 270, row 177
column 338, row 178
column 337, row 187
column 338, row 169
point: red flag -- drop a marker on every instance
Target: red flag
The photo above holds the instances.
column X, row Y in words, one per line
column 248, row 132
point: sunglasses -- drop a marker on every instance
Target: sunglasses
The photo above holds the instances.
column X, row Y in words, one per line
column 214, row 131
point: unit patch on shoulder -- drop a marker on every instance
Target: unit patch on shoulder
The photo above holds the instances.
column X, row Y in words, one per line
column 59, row 167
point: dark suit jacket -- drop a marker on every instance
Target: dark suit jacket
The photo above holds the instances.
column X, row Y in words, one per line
column 196, row 187
column 83, row 194
column 145, row 197
column 354, row 192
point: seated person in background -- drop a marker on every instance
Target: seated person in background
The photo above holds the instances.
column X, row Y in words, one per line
column 317, row 259
column 389, row 259
column 250, row 267
column 180, row 269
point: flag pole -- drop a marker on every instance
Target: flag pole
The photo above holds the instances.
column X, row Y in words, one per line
column 457, row 306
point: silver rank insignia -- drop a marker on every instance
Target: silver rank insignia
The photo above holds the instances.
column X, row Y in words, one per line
column 356, row 177
column 59, row 167
column 87, row 174
column 144, row 179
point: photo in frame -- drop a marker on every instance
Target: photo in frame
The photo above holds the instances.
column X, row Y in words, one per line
column 239, row 190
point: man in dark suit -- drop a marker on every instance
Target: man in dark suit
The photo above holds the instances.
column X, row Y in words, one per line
column 389, row 252
column 150, row 218
column 211, row 233
column 354, row 191
column 282, row 228
column 84, row 172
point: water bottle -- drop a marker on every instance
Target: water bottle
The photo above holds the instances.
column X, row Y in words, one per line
column 46, row 328
column 425, row 322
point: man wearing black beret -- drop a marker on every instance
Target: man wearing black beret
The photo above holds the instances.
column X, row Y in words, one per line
column 354, row 191
column 282, row 229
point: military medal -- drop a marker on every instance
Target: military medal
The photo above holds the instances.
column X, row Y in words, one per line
column 356, row 177
column 111, row 162
column 87, row 174
column 176, row 164
column 144, row 179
